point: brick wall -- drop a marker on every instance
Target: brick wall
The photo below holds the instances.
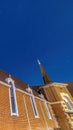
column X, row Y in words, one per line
column 26, row 119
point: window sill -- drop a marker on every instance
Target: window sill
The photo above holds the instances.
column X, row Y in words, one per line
column 14, row 114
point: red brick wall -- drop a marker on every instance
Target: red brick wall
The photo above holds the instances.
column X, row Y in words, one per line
column 22, row 122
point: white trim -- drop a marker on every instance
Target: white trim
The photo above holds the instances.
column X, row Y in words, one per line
column 54, row 83
column 3, row 83
column 15, row 104
column 65, row 84
column 10, row 104
column 32, row 98
column 30, row 94
column 47, row 111
column 58, row 102
column 10, row 80
column 44, row 117
column 22, row 91
column 67, row 101
column 10, row 101
column 27, row 112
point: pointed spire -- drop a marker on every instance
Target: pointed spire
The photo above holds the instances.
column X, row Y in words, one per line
column 45, row 76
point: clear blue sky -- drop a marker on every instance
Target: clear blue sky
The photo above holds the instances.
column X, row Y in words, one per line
column 37, row 29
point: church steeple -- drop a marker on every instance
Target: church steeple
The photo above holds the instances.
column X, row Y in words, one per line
column 45, row 76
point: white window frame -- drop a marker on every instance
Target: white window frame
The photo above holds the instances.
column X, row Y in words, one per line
column 36, row 114
column 16, row 108
column 47, row 111
column 68, row 102
column 11, row 82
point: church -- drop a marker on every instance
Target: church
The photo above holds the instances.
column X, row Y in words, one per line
column 45, row 107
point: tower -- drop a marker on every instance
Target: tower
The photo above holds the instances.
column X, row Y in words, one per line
column 60, row 98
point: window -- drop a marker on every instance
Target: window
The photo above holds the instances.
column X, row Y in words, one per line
column 34, row 106
column 12, row 93
column 47, row 110
column 14, row 110
column 68, row 102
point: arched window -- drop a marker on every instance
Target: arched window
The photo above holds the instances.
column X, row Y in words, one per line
column 14, row 110
column 33, row 102
column 34, row 106
column 12, row 93
column 47, row 110
column 68, row 102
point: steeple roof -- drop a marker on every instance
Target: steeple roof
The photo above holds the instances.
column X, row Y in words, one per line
column 45, row 76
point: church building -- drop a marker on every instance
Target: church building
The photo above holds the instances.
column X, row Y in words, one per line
column 45, row 107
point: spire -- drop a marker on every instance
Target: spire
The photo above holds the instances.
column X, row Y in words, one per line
column 38, row 61
column 45, row 76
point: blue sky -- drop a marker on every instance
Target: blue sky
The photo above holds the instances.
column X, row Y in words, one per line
column 37, row 29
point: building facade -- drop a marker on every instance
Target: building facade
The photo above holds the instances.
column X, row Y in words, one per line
column 23, row 107
column 61, row 97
